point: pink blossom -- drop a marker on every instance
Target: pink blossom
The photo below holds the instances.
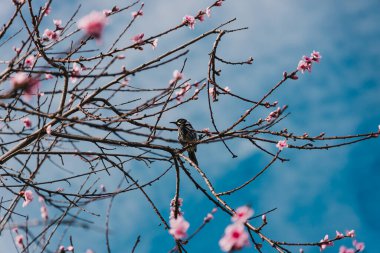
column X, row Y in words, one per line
column 48, row 76
column 273, row 115
column 61, row 249
column 135, row 14
column 350, row 233
column 242, row 214
column 27, row 122
column 325, row 243
column 343, row 249
column 227, row 89
column 316, row 56
column 180, row 202
column 89, row 251
column 214, row 210
column 189, row 21
column 359, row 246
column 70, row 248
column 303, row 66
column 264, row 218
column 48, row 129
column 107, row 12
column 20, row 80
column 51, row 35
column 234, row 238
column 120, row 56
column 179, row 227
column 46, row 9
column 282, row 144
column 154, row 43
column 75, row 72
column 138, row 38
column 208, row 217
column 19, row 240
column 29, row 61
column 57, row 23
column 28, row 197
column 212, row 92
column 339, row 235
column 219, row 3
column 201, row 16
column 176, row 76
column 44, row 213
column 93, row 24
column 208, row 12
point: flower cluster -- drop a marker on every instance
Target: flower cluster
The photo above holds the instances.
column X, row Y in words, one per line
column 235, row 237
column 178, row 225
column 307, row 62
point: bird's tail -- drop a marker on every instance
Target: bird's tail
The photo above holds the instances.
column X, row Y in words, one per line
column 193, row 157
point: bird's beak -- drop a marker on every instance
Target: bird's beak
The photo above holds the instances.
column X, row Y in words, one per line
column 173, row 122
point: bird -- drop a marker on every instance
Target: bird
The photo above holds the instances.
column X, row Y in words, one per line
column 187, row 135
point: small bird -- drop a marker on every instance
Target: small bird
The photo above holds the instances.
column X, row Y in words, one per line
column 186, row 135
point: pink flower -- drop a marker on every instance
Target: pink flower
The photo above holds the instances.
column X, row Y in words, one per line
column 282, row 144
column 214, row 210
column 359, row 246
column 27, row 122
column 180, row 202
column 89, row 251
column 70, row 248
column 201, row 16
column 212, row 92
column 138, row 38
column 28, row 196
column 48, row 76
column 18, row 1
column 242, row 214
column 235, row 238
column 93, row 24
column 339, row 235
column 343, row 249
column 208, row 12
column 208, row 217
column 44, row 213
column 19, row 240
column 189, row 21
column 107, row 12
column 227, row 89
column 29, row 61
column 273, row 115
column 219, row 3
column 57, row 23
column 154, row 43
column 135, row 14
column 176, row 76
column 303, row 66
column 46, row 9
column 316, row 56
column 264, row 218
column 75, row 72
column 179, row 227
column 51, row 35
column 325, row 242
column 350, row 233
column 61, row 249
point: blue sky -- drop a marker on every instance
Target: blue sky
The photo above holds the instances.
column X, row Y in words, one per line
column 317, row 192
